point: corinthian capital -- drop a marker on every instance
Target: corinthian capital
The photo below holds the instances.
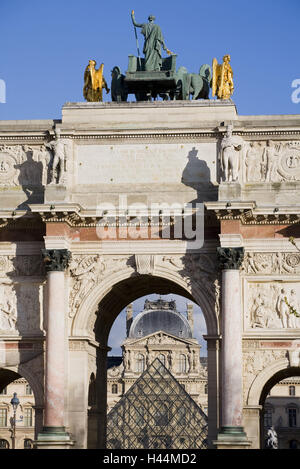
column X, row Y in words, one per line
column 56, row 259
column 230, row 258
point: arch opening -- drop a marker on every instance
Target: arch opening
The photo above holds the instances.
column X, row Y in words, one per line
column 280, row 414
column 128, row 290
column 19, row 425
column 110, row 307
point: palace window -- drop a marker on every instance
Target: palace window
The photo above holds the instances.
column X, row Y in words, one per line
column 140, row 363
column 292, row 390
column 3, row 417
column 292, row 414
column 28, row 390
column 28, row 417
column 4, row 444
column 268, row 411
column 293, row 444
column 28, row 443
column 114, row 389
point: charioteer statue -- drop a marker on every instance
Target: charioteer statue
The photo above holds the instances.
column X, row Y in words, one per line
column 155, row 76
column 153, row 43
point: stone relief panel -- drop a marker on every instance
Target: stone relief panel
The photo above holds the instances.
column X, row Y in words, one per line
column 21, row 266
column 198, row 268
column 268, row 305
column 85, row 272
column 270, row 263
column 24, row 165
column 8, row 309
column 20, row 308
column 6, row 265
column 88, row 270
column 271, row 161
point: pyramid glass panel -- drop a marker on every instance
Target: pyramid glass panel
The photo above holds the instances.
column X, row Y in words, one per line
column 156, row 412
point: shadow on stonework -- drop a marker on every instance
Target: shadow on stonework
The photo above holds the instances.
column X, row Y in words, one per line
column 200, row 268
column 31, row 180
column 197, row 175
column 292, row 231
column 20, row 306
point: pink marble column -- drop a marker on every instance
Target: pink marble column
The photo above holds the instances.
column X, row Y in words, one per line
column 232, row 361
column 232, row 403
column 56, row 262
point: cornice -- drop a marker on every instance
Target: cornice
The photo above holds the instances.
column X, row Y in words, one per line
column 86, row 134
column 249, row 214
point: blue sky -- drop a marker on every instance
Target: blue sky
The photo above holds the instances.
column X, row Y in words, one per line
column 45, row 46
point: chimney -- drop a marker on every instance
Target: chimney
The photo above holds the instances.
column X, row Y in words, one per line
column 190, row 316
column 129, row 313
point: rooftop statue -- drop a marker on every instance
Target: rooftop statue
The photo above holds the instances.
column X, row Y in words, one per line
column 222, row 82
column 197, row 85
column 153, row 43
column 94, row 82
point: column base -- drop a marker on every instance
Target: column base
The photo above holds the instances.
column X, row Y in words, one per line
column 232, row 438
column 54, row 438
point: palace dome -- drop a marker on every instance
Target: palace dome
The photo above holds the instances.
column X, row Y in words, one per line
column 160, row 315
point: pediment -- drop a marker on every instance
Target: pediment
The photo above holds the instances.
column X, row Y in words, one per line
column 158, row 338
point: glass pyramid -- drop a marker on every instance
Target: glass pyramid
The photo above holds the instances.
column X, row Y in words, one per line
column 156, row 412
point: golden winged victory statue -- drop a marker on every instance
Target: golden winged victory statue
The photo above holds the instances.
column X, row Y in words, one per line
column 94, row 82
column 222, row 81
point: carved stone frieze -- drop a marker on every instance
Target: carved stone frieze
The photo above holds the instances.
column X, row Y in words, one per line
column 159, row 339
column 6, row 265
column 192, row 267
column 271, row 263
column 272, row 161
column 198, row 269
column 23, row 165
column 20, row 308
column 21, row 266
column 86, row 271
column 8, row 309
column 268, row 305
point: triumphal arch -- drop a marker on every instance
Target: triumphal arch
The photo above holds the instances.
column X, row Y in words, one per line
column 183, row 197
column 117, row 200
